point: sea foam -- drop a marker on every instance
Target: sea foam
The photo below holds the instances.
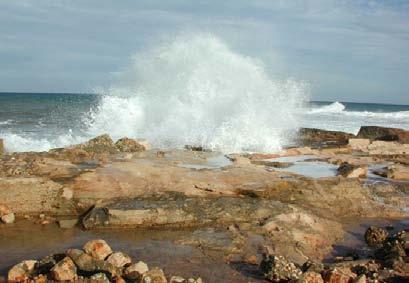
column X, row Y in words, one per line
column 196, row 90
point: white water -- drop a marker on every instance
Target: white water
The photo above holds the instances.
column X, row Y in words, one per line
column 335, row 117
column 196, row 90
column 335, row 107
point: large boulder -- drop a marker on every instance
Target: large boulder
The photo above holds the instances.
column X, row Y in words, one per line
column 322, row 138
column 279, row 269
column 129, row 145
column 383, row 134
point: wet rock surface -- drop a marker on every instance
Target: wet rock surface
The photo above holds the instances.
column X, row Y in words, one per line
column 322, row 138
column 383, row 134
column 232, row 209
column 351, row 171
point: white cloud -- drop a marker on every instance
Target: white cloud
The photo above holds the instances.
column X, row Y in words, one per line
column 346, row 49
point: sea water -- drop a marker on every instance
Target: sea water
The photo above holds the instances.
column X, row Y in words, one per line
column 194, row 91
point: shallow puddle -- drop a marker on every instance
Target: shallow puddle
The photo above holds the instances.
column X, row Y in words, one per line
column 302, row 165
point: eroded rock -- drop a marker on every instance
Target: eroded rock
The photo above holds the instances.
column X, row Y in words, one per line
column 98, row 249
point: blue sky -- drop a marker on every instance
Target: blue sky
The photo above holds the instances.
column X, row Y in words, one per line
column 346, row 50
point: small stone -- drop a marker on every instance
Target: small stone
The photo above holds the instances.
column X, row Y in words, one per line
column 375, row 236
column 154, row 275
column 65, row 270
column 41, row 216
column 99, row 278
column 119, row 259
column 98, row 249
column 8, row 218
column 278, row 268
column 136, row 270
column 21, row 272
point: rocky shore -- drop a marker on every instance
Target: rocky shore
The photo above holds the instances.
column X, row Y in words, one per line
column 256, row 213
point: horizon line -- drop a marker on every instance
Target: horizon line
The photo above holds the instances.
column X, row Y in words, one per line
column 94, row 93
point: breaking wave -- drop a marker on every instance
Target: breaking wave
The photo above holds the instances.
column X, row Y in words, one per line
column 335, row 107
column 196, row 90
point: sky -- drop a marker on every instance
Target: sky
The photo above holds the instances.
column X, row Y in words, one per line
column 345, row 50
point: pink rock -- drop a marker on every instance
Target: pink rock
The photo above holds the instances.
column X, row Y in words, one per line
column 98, row 249
column 119, row 259
column 21, row 272
column 65, row 270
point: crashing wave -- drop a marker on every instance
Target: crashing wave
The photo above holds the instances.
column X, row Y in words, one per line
column 196, row 90
column 335, row 107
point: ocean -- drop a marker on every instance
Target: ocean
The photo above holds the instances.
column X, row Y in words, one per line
column 193, row 90
column 40, row 121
